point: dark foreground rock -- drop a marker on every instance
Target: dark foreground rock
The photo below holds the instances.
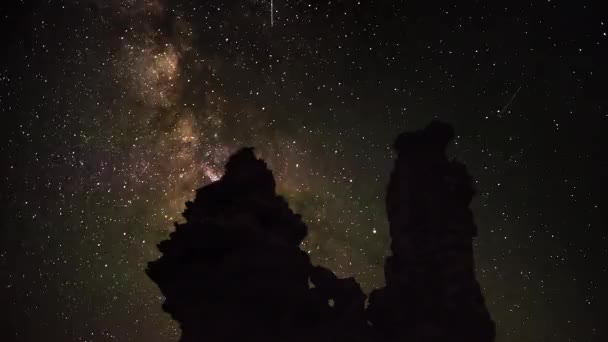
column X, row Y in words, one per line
column 431, row 293
column 234, row 270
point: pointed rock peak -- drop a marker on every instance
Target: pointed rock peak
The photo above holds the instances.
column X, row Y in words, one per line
column 246, row 171
column 245, row 195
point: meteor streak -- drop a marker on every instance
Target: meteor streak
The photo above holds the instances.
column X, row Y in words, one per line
column 506, row 106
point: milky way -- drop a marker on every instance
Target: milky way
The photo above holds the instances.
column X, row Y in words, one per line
column 118, row 110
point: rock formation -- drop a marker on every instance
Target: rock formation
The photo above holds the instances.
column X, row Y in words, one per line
column 431, row 293
column 234, row 270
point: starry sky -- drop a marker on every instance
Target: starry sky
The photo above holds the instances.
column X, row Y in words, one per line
column 114, row 111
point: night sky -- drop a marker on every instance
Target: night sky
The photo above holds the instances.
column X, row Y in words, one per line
column 115, row 111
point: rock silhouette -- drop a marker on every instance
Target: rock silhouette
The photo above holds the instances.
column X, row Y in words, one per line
column 234, row 270
column 431, row 293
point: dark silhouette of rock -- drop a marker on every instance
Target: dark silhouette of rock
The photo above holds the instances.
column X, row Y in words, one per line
column 431, row 293
column 234, row 270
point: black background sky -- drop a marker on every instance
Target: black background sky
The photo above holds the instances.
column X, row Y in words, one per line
column 113, row 112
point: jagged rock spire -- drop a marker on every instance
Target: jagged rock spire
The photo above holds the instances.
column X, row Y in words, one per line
column 234, row 270
column 431, row 293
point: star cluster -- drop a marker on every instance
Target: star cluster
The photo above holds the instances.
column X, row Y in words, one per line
column 116, row 111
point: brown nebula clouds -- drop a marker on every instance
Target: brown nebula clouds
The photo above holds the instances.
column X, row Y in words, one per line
column 195, row 94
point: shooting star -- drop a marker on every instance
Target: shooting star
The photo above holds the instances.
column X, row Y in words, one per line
column 271, row 13
column 506, row 106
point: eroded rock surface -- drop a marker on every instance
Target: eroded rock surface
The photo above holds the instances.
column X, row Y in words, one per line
column 234, row 270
